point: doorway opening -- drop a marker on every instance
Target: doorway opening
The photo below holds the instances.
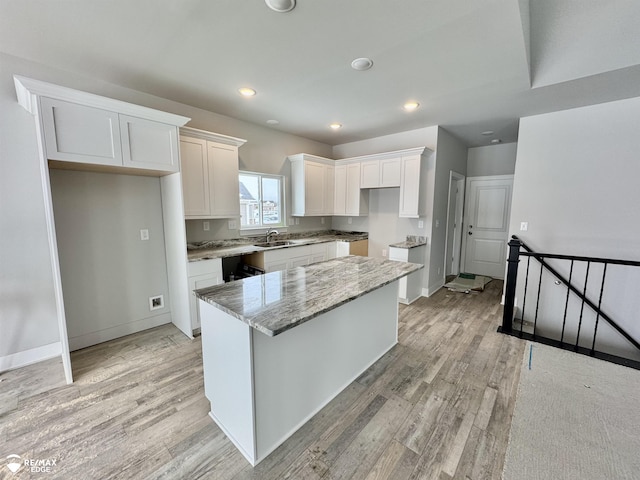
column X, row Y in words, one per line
column 455, row 209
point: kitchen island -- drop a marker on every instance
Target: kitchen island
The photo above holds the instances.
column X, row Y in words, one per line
column 278, row 347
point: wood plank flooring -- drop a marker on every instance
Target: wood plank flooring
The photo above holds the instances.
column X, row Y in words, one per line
column 437, row 406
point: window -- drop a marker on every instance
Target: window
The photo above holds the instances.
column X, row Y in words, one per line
column 261, row 200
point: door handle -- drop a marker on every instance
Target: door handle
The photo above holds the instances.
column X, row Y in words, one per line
column 470, row 233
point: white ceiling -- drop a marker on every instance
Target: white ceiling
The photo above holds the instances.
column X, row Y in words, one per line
column 466, row 61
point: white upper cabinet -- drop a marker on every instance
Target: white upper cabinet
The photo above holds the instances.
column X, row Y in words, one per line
column 88, row 129
column 349, row 199
column 380, row 173
column 77, row 133
column 312, row 185
column 209, row 174
column 412, row 186
column 149, row 145
column 195, row 176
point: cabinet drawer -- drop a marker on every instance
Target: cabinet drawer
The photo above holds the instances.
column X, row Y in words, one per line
column 204, row 267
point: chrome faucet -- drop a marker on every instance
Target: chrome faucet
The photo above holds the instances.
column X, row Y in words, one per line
column 271, row 232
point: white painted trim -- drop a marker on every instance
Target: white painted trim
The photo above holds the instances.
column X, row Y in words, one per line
column 248, row 456
column 385, row 155
column 175, row 241
column 28, row 88
column 298, row 157
column 454, row 178
column 53, row 247
column 93, row 338
column 213, row 137
column 427, row 292
column 28, row 357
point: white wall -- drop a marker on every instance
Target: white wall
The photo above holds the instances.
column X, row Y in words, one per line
column 492, row 160
column 576, row 183
column 451, row 154
column 27, row 304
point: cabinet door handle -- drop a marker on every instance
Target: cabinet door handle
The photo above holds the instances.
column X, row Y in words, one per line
column 470, row 233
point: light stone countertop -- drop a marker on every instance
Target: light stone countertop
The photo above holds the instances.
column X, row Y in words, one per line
column 275, row 302
column 242, row 246
column 412, row 241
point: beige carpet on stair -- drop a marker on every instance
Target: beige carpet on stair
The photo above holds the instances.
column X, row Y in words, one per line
column 575, row 417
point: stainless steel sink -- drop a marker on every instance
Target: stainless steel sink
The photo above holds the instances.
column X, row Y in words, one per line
column 277, row 243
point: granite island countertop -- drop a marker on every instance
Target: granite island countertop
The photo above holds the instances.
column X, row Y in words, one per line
column 275, row 302
column 241, row 246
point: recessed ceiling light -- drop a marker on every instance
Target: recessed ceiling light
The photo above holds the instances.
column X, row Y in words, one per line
column 273, row 122
column 335, row 126
column 247, row 92
column 281, row 6
column 488, row 132
column 496, row 140
column 411, row 106
column 362, row 64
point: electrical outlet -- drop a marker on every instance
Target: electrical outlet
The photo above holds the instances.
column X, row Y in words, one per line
column 420, row 223
column 157, row 302
column 297, row 221
column 524, row 226
column 144, row 234
column 205, row 226
column 384, row 252
column 437, row 223
column 232, row 225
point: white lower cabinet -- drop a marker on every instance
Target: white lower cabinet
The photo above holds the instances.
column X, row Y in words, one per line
column 291, row 257
column 409, row 287
column 202, row 274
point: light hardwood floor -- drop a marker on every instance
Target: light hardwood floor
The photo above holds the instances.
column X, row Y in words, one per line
column 438, row 405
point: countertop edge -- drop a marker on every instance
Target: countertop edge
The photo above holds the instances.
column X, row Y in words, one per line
column 298, row 321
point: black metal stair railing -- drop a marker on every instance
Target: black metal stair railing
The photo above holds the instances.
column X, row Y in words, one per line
column 518, row 249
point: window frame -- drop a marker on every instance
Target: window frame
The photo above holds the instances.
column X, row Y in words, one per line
column 283, row 213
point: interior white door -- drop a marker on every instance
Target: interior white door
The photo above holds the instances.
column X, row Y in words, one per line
column 487, row 214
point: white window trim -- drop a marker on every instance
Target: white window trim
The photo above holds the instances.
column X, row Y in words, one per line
column 252, row 230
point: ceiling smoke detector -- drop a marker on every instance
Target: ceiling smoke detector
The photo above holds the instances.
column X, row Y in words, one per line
column 362, row 63
column 281, row 6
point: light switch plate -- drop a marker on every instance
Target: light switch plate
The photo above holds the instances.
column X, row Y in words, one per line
column 232, row 225
column 420, row 223
column 144, row 234
column 524, row 226
column 205, row 226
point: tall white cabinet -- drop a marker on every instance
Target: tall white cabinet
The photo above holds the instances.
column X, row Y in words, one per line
column 209, row 174
column 312, row 185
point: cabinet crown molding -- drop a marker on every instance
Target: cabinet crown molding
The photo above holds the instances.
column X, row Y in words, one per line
column 28, row 89
column 384, row 155
column 213, row 137
column 314, row 158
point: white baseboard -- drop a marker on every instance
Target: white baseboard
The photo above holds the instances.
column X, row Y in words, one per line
column 427, row 292
column 27, row 357
column 93, row 338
